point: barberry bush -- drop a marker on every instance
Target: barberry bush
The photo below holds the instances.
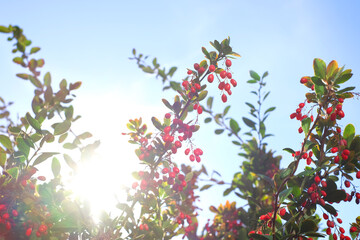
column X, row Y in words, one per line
column 282, row 203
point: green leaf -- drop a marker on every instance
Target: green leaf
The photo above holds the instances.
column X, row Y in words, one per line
column 62, row 127
column 33, row 122
column 226, row 110
column 234, row 126
column 22, row 146
column 236, row 143
column 335, row 196
column 23, row 76
column 3, row 158
column 349, row 133
column 254, row 75
column 167, row 104
column 208, row 119
column 289, row 150
column 319, row 90
column 55, row 167
column 227, row 191
column 47, row 79
column 209, row 102
column 71, row 163
column 207, row 186
column 189, row 176
column 330, row 209
column 249, row 122
column 219, row 131
column 157, row 123
column 344, row 76
column 5, row 141
column 35, row 81
column 34, row 50
column 317, row 81
column 331, row 69
column 284, row 194
column 14, row 172
column 308, row 225
column 270, row 110
column 202, row 95
column 286, row 172
column 265, row 74
column 18, row 60
column 345, row 90
column 175, row 85
column 305, row 124
column 4, row 29
column 319, row 68
column 43, row 157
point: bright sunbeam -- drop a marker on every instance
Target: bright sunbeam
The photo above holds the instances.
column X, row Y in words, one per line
column 100, row 182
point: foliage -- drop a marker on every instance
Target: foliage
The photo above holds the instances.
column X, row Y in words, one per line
column 161, row 201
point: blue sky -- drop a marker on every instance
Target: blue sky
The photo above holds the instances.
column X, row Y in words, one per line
column 90, row 41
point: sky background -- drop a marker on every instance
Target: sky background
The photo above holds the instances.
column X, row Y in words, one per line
column 91, row 42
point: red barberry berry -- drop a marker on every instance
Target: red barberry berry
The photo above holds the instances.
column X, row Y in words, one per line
column 228, row 62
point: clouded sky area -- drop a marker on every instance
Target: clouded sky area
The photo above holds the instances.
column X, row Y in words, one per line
column 91, row 41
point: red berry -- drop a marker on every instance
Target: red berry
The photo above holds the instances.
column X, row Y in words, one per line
column 329, row 110
column 167, row 129
column 229, row 75
column 135, row 185
column 339, row 220
column 303, row 80
column 212, row 68
column 197, row 86
column 339, row 107
column 8, row 225
column 224, row 98
column 282, row 212
column 324, row 184
column 334, row 149
column 15, row 213
column 189, row 72
column 165, row 170
column 336, row 159
column 317, row 179
column 167, row 115
column 347, row 183
column 341, row 100
column 346, row 151
column 300, row 130
column 178, row 144
column 338, row 129
column 176, row 170
column 341, row 113
column 41, row 178
column 28, row 232
column 196, row 66
column 187, row 151
column 293, row 115
column 233, row 82
column 221, row 85
column 325, row 216
column 308, row 161
column 301, row 105
column 201, row 70
column 192, row 157
column 353, row 229
column 228, row 62
column 227, row 87
column 223, row 74
column 358, row 175
column 199, row 110
column 210, row 78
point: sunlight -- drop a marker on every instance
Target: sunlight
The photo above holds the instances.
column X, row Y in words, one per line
column 101, row 179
